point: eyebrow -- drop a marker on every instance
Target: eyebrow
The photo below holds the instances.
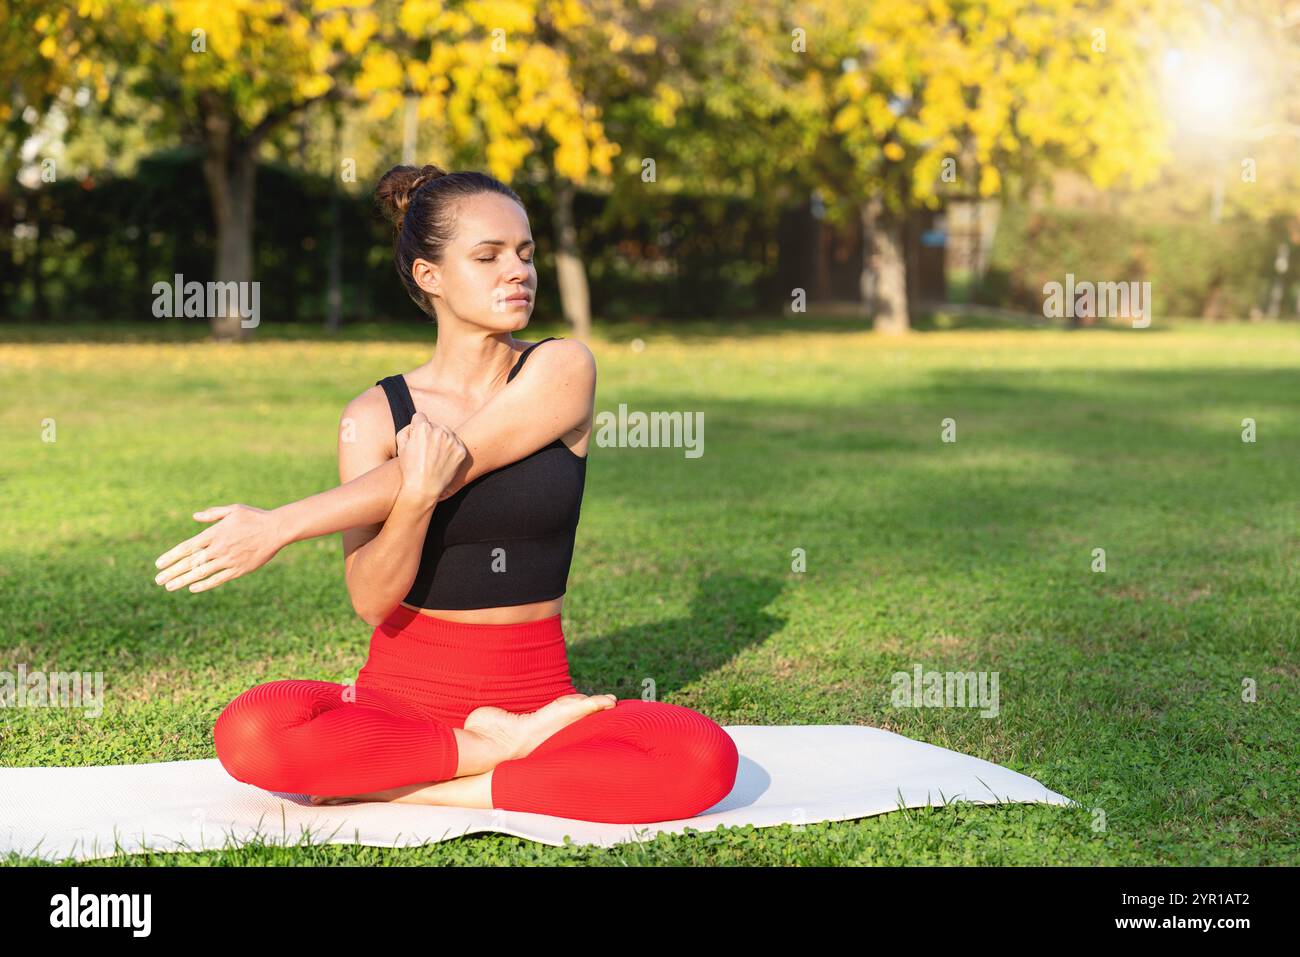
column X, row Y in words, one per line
column 499, row 242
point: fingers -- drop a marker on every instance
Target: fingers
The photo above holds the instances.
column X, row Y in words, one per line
column 418, row 422
column 185, row 548
column 447, row 436
column 170, row 576
column 219, row 578
column 202, row 569
column 456, row 450
column 212, row 514
column 440, row 444
column 439, row 433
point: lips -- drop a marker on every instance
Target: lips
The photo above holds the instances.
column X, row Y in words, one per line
column 518, row 298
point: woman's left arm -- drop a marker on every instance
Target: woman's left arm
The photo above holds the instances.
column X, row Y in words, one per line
column 552, row 395
column 556, row 394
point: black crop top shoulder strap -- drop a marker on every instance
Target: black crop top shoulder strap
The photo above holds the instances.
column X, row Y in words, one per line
column 399, row 400
column 523, row 356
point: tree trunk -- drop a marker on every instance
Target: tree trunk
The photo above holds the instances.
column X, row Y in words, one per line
column 887, row 266
column 40, row 307
column 571, row 273
column 1212, row 310
column 1278, row 289
column 867, row 273
column 229, row 167
column 334, row 296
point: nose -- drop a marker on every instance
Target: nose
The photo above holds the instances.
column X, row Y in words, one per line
column 518, row 270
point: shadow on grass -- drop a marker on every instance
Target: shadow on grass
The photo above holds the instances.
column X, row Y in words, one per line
column 727, row 617
column 1093, row 457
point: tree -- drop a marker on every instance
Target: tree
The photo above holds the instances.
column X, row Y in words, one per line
column 41, row 89
column 1257, row 176
column 718, row 106
column 231, row 73
column 931, row 99
column 40, row 75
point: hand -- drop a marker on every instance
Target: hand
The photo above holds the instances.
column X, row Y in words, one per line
column 429, row 455
column 245, row 538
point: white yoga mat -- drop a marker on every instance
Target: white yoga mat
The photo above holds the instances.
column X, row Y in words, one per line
column 798, row 774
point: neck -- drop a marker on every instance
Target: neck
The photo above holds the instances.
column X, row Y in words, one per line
column 473, row 364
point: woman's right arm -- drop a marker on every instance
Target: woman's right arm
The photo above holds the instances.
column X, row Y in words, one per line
column 366, row 499
column 380, row 561
column 245, row 538
column 552, row 395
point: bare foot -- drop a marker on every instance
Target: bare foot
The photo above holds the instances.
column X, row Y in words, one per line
column 388, row 795
column 519, row 734
column 318, row 799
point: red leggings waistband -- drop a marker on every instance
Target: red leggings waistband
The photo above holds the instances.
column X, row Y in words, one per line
column 448, row 668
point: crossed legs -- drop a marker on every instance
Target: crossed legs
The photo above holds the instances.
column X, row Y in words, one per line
column 581, row 757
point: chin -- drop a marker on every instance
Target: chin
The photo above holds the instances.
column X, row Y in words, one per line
column 511, row 320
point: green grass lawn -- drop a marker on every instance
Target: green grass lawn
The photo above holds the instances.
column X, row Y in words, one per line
column 1122, row 689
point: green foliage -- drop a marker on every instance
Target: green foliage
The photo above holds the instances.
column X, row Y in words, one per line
column 105, row 242
column 1193, row 267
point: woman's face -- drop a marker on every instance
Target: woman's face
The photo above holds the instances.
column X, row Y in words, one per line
column 487, row 277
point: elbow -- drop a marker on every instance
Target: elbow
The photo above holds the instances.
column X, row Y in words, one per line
column 369, row 611
column 373, row 619
column 374, row 592
column 372, row 615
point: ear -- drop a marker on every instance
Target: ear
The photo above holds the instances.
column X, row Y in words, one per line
column 427, row 275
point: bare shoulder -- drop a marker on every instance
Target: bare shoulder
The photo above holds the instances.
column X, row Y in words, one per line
column 368, row 420
column 562, row 357
column 367, row 440
column 368, row 407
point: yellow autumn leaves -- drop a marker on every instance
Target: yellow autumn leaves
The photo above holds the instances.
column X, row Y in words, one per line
column 910, row 88
column 474, row 66
column 930, row 93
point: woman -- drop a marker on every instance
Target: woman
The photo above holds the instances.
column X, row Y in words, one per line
column 457, row 546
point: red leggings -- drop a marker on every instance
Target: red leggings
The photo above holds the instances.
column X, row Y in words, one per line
column 638, row 762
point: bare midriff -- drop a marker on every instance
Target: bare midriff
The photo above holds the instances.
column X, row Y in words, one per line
column 504, row 615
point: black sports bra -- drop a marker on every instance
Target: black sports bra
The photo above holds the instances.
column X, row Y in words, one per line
column 506, row 538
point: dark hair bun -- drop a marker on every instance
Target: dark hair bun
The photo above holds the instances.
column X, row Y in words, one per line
column 398, row 186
